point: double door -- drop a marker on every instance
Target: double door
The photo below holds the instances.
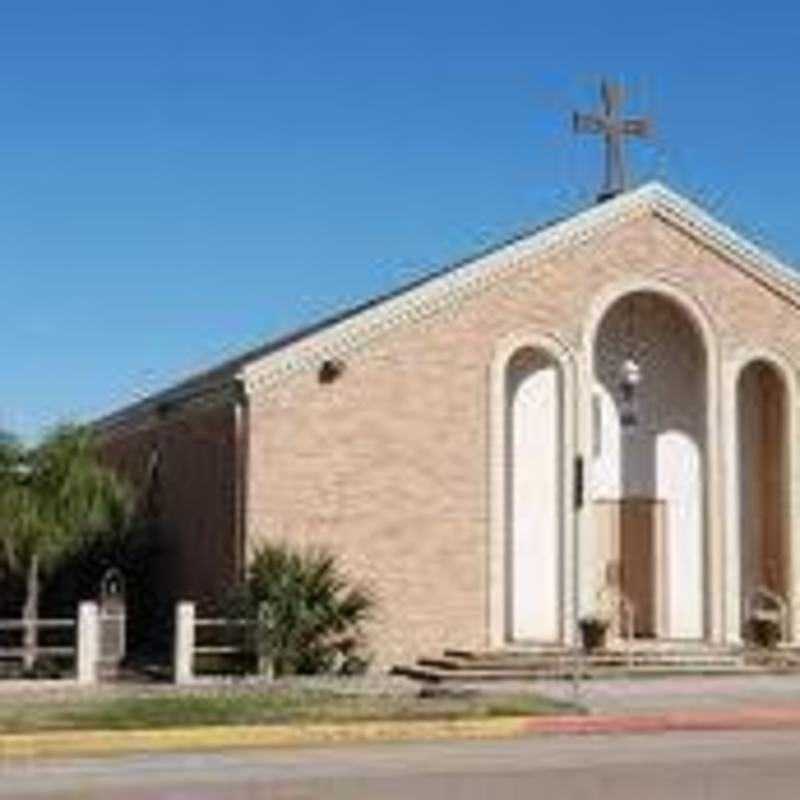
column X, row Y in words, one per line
column 631, row 544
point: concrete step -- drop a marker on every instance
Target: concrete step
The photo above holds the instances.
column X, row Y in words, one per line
column 552, row 661
column 785, row 658
column 508, row 655
column 535, row 663
column 434, row 675
column 510, row 652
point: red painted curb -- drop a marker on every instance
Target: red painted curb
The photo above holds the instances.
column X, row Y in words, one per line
column 746, row 719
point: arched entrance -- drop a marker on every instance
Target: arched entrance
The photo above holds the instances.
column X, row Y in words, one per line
column 763, row 427
column 534, row 417
column 649, row 424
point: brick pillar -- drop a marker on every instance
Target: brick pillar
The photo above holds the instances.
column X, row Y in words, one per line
column 183, row 644
column 88, row 643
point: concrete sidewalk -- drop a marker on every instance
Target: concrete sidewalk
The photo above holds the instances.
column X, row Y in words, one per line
column 733, row 693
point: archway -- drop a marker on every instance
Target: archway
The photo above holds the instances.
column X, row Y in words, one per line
column 649, row 422
column 534, row 390
column 762, row 427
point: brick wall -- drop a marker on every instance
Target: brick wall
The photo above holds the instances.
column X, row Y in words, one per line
column 389, row 464
column 194, row 498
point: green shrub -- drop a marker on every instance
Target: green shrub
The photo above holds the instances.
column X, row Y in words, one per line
column 311, row 615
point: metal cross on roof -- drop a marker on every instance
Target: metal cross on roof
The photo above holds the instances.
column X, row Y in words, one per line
column 614, row 128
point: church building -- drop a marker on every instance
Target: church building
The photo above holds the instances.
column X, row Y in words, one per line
column 606, row 405
column 599, row 418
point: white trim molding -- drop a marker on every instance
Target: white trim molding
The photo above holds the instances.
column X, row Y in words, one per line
column 275, row 362
column 713, row 504
column 456, row 286
column 735, row 362
column 498, row 510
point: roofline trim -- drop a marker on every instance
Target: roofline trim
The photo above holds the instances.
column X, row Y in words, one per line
column 448, row 290
column 441, row 292
column 349, row 332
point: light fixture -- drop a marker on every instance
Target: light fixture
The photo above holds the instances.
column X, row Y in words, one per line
column 330, row 370
column 630, row 376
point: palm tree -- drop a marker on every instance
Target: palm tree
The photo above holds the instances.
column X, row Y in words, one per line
column 53, row 498
column 11, row 471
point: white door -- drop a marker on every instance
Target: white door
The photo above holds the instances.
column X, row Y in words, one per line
column 535, row 469
column 679, row 472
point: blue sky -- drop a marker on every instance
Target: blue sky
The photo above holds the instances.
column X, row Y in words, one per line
column 180, row 180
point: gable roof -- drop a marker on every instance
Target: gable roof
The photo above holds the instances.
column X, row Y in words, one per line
column 353, row 328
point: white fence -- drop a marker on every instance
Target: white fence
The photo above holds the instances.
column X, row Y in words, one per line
column 84, row 649
column 186, row 647
column 21, row 627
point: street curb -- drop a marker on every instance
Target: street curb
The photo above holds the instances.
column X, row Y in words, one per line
column 108, row 743
column 743, row 719
column 99, row 743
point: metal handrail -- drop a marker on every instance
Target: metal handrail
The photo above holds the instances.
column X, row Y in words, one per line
column 628, row 611
column 623, row 615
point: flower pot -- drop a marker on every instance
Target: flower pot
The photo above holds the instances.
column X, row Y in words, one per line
column 593, row 634
column 764, row 632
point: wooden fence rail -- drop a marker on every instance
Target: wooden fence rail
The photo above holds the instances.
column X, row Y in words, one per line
column 83, row 649
column 18, row 626
column 186, row 647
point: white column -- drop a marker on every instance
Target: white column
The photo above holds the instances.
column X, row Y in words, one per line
column 88, row 643
column 716, row 519
column 587, row 558
column 791, row 434
column 569, row 512
column 183, row 652
column 732, row 526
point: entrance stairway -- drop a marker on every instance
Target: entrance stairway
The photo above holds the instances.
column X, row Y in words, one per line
column 639, row 658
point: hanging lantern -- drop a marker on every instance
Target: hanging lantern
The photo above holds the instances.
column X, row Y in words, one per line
column 630, row 378
column 630, row 375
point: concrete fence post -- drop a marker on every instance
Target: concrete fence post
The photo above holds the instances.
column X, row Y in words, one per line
column 88, row 642
column 183, row 653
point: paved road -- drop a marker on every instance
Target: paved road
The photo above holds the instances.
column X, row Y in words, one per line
column 688, row 766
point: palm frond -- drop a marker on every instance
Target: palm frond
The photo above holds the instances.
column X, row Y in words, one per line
column 315, row 615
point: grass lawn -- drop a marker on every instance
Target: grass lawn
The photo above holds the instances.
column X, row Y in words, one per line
column 24, row 715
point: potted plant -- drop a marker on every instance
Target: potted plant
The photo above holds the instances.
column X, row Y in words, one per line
column 764, row 631
column 593, row 632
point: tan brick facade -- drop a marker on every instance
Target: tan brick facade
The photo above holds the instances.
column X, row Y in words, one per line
column 390, row 465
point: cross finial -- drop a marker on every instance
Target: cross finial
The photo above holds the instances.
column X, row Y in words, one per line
column 614, row 129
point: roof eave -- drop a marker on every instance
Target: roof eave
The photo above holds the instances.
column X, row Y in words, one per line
column 346, row 332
